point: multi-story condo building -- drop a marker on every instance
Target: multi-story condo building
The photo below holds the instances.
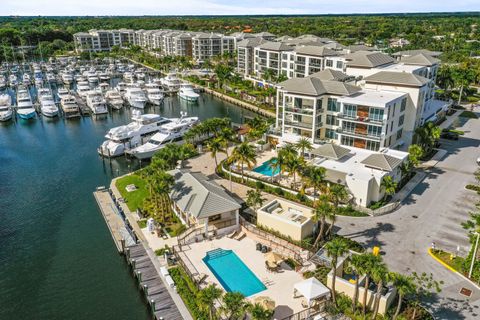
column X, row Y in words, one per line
column 306, row 60
column 94, row 40
column 245, row 55
column 268, row 56
column 208, row 45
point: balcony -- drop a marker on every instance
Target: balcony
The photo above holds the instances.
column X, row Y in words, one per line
column 299, row 124
column 359, row 134
column 299, row 110
column 359, row 119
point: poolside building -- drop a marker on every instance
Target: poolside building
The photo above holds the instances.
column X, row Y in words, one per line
column 200, row 202
column 290, row 219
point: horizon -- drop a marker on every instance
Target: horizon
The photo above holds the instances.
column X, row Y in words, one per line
column 52, row 8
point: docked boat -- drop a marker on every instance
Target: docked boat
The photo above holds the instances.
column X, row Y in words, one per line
column 6, row 110
column 135, row 97
column 92, row 77
column 104, row 87
column 26, row 79
column 67, row 77
column 3, row 81
column 186, row 92
column 104, row 76
column 171, row 82
column 114, row 99
column 51, row 77
column 12, row 80
column 121, row 87
column 128, row 76
column 38, row 76
column 62, row 92
column 119, row 139
column 69, row 106
column 154, row 94
column 172, row 132
column 25, row 108
column 96, row 102
column 82, row 89
column 47, row 104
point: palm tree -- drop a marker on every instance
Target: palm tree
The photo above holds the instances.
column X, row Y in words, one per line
column 405, row 286
column 258, row 312
column 303, row 145
column 358, row 266
column 234, row 305
column 293, row 166
column 337, row 193
column 163, row 183
column 415, row 153
column 427, row 135
column 389, row 186
column 323, row 210
column 335, row 249
column 380, row 275
column 255, row 199
column 314, row 176
column 370, row 262
column 215, row 145
column 245, row 154
column 207, row 298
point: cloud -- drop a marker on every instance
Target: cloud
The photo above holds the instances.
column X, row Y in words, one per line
column 219, row 7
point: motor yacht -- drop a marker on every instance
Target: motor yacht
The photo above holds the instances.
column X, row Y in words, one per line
column 171, row 82
column 135, row 97
column 96, row 102
column 26, row 79
column 6, row 110
column 3, row 81
column 12, row 80
column 119, row 139
column 47, row 104
column 186, row 92
column 172, row 132
column 67, row 77
column 62, row 92
column 82, row 88
column 25, row 108
column 154, row 94
column 114, row 99
column 69, row 106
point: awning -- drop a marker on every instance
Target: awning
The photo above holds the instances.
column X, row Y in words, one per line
column 312, row 289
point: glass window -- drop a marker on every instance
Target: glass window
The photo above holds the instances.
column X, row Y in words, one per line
column 339, row 64
column 298, row 102
column 319, row 103
column 401, row 119
column 393, row 110
column 329, row 63
column 403, row 104
column 332, row 105
column 331, row 134
column 331, row 120
column 347, row 141
column 372, row 145
column 399, row 134
column 374, row 131
column 350, row 110
column 348, row 126
column 375, row 114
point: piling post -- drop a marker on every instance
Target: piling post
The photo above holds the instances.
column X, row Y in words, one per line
column 139, row 276
column 122, row 243
column 152, row 303
column 145, row 289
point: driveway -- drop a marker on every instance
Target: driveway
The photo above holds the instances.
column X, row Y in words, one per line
column 432, row 213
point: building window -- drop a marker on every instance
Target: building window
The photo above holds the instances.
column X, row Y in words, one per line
column 375, row 114
column 403, row 104
column 330, row 134
column 329, row 63
column 393, row 110
column 391, row 126
column 348, row 126
column 399, row 134
column 401, row 119
column 339, row 64
column 331, row 120
column 350, row 110
column 319, row 104
column 372, row 145
column 374, row 131
column 347, row 141
column 332, row 105
column 298, row 102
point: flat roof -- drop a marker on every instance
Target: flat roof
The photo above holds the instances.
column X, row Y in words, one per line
column 372, row 98
column 401, row 67
column 287, row 211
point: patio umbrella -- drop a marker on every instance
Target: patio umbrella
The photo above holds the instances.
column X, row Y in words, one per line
column 273, row 257
column 265, row 302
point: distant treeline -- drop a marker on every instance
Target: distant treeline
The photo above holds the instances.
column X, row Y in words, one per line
column 459, row 31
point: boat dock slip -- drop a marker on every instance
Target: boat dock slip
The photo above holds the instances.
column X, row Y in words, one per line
column 113, row 219
column 156, row 292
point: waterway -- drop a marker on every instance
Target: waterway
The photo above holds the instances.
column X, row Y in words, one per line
column 57, row 259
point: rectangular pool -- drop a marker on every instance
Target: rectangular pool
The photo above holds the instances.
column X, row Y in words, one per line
column 266, row 169
column 232, row 273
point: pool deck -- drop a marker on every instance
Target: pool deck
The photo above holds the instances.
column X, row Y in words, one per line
column 279, row 284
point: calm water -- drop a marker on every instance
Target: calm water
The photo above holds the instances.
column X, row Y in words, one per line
column 57, row 259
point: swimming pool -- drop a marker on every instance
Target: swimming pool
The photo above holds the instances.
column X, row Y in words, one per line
column 266, row 169
column 232, row 273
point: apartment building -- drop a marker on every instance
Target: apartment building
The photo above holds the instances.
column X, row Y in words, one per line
column 245, row 55
column 208, row 45
column 94, row 40
column 268, row 56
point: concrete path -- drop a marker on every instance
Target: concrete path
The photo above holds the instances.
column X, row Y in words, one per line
column 431, row 213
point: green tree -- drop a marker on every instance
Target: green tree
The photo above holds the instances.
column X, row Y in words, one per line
column 314, row 176
column 303, row 145
column 370, row 262
column 415, row 153
column 424, row 286
column 294, row 166
column 244, row 154
column 358, row 264
column 206, row 299
column 258, row 312
column 215, row 146
column 336, row 248
column 323, row 210
column 223, row 73
column 389, row 186
column 234, row 305
column 255, row 199
column 427, row 136
column 405, row 286
column 380, row 275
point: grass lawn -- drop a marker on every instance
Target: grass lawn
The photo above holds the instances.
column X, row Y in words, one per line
column 469, row 114
column 133, row 199
column 456, row 263
column 142, row 223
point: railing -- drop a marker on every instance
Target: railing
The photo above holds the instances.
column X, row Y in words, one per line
column 192, row 275
column 363, row 134
column 189, row 234
column 359, row 119
column 299, row 124
column 308, row 313
column 299, row 110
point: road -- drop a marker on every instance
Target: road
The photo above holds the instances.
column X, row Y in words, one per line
column 432, row 213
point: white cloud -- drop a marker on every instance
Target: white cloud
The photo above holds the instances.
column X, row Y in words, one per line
column 217, row 7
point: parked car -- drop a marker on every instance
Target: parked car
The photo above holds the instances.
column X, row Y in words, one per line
column 449, row 135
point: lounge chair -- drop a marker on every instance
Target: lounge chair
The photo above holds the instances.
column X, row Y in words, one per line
column 240, row 236
column 233, row 234
column 201, row 277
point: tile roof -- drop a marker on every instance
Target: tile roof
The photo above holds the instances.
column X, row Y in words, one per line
column 398, row 78
column 275, row 46
column 251, row 42
column 194, row 193
column 414, row 52
column 330, row 74
column 381, row 161
column 331, row 151
column 314, row 86
column 420, row 59
column 319, row 51
column 368, row 59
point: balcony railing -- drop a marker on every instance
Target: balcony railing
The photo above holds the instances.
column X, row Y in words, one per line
column 299, row 110
column 359, row 119
column 299, row 124
column 361, row 134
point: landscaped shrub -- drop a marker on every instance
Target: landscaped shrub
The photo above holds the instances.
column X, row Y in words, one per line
column 259, row 185
column 473, row 187
column 278, row 191
column 188, row 292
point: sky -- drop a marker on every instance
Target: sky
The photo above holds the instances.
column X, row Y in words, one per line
column 228, row 7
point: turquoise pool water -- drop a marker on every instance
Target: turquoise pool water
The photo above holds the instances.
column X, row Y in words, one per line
column 232, row 273
column 266, row 169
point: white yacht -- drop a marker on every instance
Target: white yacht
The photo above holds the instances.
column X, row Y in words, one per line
column 104, row 76
column 51, row 77
column 128, row 76
column 67, row 77
column 104, row 87
column 154, row 94
column 96, row 102
column 171, row 82
column 12, row 80
column 92, row 77
column 3, row 81
column 38, row 76
column 114, row 99
column 135, row 97
column 47, row 104
column 6, row 111
column 25, row 108
column 121, row 87
column 69, row 106
column 26, row 79
column 119, row 139
column 171, row 132
column 186, row 92
column 82, row 89
column 62, row 92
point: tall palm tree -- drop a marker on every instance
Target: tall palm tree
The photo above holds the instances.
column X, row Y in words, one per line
column 255, row 199
column 337, row 193
column 245, row 154
column 234, row 305
column 389, row 186
column 258, row 312
column 335, row 249
column 380, row 275
column 314, row 176
column 371, row 261
column 207, row 298
column 405, row 286
column 358, row 266
column 163, row 183
column 302, row 145
column 323, row 210
column 215, row 146
column 293, row 166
